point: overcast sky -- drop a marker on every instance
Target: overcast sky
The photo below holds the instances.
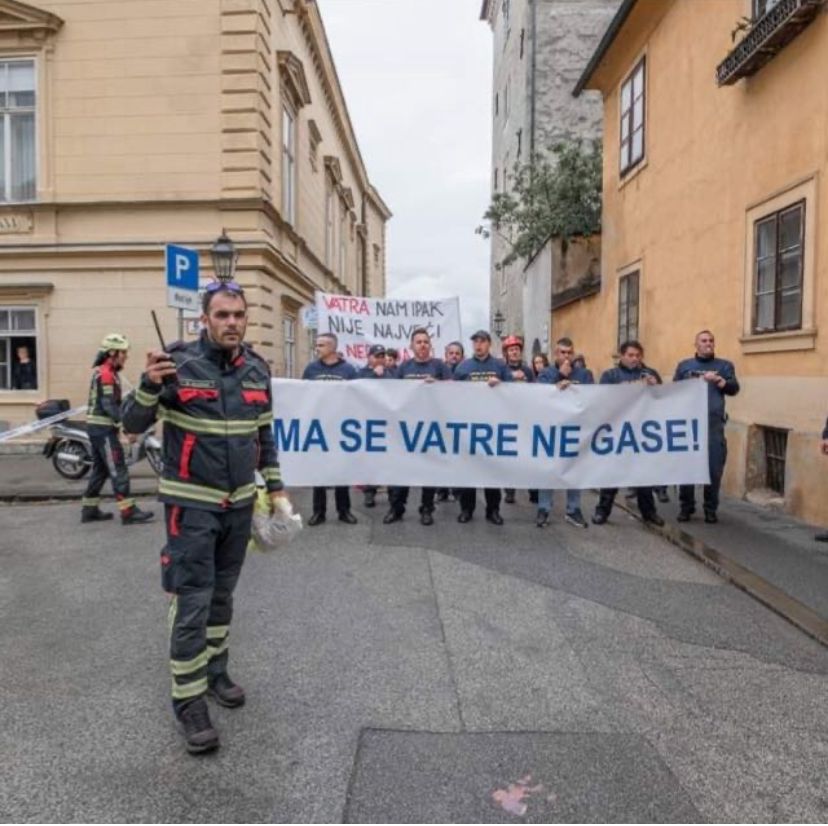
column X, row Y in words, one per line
column 417, row 78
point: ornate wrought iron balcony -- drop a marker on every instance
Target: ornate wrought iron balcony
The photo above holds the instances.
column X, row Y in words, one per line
column 766, row 38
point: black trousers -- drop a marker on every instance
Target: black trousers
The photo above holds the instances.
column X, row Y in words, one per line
column 200, row 566
column 644, row 497
column 398, row 497
column 108, row 462
column 717, row 453
column 468, row 499
column 342, row 498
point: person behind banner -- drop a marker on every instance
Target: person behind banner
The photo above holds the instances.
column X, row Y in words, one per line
column 375, row 369
column 482, row 366
column 392, row 361
column 630, row 369
column 563, row 374
column 513, row 356
column 720, row 376
column 420, row 367
column 540, row 361
column 454, row 354
column 330, row 366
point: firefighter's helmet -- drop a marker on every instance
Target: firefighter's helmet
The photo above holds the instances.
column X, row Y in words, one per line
column 512, row 341
column 114, row 341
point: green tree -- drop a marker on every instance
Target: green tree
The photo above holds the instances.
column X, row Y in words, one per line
column 550, row 196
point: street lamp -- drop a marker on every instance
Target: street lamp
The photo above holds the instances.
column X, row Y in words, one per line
column 499, row 322
column 225, row 256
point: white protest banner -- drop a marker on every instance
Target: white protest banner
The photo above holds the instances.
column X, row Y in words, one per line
column 360, row 322
column 462, row 434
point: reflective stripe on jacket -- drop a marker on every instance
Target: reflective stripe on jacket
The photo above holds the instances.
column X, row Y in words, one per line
column 218, row 426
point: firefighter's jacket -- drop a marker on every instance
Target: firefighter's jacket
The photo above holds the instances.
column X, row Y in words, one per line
column 218, row 426
column 104, row 406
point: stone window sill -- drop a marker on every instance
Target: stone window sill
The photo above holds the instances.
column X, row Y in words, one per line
column 779, row 342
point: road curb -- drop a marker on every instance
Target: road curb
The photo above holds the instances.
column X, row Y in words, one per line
column 770, row 595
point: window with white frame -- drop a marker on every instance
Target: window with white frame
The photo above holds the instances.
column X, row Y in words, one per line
column 289, row 344
column 288, row 165
column 18, row 348
column 18, row 146
column 633, row 98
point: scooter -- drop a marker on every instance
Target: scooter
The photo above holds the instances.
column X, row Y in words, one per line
column 70, row 450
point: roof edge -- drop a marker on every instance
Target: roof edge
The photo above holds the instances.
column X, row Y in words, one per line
column 615, row 26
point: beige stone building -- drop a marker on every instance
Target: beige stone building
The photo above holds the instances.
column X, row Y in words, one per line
column 131, row 124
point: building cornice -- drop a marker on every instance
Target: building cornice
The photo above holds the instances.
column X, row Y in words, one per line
column 22, row 17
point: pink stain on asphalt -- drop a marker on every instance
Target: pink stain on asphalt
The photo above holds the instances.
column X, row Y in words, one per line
column 513, row 798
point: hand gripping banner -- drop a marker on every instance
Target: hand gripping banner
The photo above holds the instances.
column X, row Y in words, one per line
column 453, row 434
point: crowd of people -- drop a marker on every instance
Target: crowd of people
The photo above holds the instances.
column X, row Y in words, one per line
column 565, row 368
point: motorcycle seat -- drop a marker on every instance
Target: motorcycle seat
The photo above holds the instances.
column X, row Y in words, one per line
column 75, row 423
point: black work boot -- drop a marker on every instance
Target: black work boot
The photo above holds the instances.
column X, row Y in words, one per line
column 135, row 516
column 194, row 723
column 92, row 513
column 225, row 692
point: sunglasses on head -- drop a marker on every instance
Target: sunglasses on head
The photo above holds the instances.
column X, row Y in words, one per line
column 225, row 286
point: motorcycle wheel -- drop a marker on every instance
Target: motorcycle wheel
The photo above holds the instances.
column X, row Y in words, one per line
column 72, row 469
column 155, row 460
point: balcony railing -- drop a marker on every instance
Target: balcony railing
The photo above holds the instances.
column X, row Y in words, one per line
column 766, row 38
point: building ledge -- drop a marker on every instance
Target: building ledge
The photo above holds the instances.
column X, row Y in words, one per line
column 779, row 342
column 583, row 289
column 768, row 35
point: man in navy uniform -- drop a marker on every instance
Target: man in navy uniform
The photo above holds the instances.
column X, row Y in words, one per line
column 330, row 366
column 375, row 369
column 563, row 373
column 720, row 376
column 513, row 356
column 630, row 369
column 422, row 367
column 482, row 366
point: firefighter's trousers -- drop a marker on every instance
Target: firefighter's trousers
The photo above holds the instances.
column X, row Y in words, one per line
column 200, row 566
column 108, row 462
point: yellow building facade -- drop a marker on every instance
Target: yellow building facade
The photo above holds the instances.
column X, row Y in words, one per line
column 715, row 187
column 131, row 124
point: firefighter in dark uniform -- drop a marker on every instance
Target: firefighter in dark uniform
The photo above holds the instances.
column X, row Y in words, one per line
column 630, row 369
column 214, row 398
column 375, row 369
column 720, row 376
column 513, row 356
column 103, row 418
column 421, row 367
column 330, row 366
column 453, row 355
column 482, row 366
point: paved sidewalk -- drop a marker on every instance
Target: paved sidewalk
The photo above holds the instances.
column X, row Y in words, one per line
column 768, row 553
column 31, row 477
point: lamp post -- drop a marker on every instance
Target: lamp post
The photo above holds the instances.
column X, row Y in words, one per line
column 498, row 323
column 225, row 257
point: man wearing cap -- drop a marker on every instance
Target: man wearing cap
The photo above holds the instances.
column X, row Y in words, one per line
column 330, row 366
column 375, row 369
column 482, row 366
column 513, row 355
column 103, row 419
column 422, row 367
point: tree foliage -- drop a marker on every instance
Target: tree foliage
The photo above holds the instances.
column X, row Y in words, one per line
column 550, row 196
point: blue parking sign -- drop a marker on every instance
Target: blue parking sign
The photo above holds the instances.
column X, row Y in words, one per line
column 182, row 268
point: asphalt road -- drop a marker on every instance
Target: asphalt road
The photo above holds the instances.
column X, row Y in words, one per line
column 406, row 674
